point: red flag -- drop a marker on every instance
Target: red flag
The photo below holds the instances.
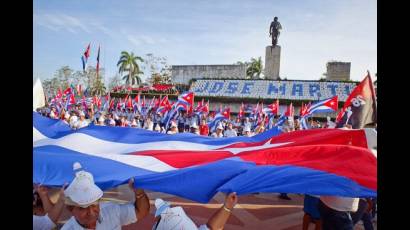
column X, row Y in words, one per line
column 111, row 104
column 129, row 102
column 68, row 91
column 156, row 104
column 99, row 102
column 165, row 103
column 205, row 108
column 241, row 111
column 87, row 51
column 137, row 99
column 227, row 113
column 72, row 99
column 199, row 105
column 59, row 94
column 290, row 111
column 274, row 107
column 360, row 107
column 189, row 97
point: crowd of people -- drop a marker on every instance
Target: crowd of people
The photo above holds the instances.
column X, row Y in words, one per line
column 77, row 118
column 326, row 212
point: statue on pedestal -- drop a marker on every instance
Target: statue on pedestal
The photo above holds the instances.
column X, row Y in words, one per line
column 275, row 26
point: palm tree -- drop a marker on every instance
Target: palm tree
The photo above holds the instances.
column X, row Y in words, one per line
column 128, row 63
column 255, row 68
column 98, row 88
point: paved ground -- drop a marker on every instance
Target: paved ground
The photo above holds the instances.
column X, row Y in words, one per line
column 257, row 211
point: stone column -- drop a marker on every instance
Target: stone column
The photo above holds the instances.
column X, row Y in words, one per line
column 272, row 62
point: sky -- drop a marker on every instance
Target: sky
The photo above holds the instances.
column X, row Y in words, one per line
column 201, row 32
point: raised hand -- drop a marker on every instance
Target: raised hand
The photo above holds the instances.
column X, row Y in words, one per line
column 231, row 200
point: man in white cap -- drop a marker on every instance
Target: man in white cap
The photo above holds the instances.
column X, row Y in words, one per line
column 218, row 132
column 173, row 129
column 195, row 129
column 247, row 123
column 247, row 131
column 101, row 121
column 82, row 199
column 73, row 120
column 82, row 122
column 230, row 132
column 148, row 124
column 168, row 218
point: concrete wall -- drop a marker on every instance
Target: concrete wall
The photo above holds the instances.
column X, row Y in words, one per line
column 338, row 71
column 181, row 74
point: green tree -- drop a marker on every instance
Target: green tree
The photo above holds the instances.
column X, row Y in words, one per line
column 128, row 63
column 95, row 83
column 255, row 68
column 63, row 75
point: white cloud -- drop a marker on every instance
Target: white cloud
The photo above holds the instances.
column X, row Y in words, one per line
column 138, row 40
column 75, row 25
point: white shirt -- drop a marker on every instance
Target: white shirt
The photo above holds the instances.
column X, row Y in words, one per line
column 342, row 204
column 42, row 223
column 216, row 135
column 247, row 124
column 230, row 133
column 82, row 124
column 194, row 120
column 112, row 217
column 52, row 115
column 172, row 132
column 149, row 125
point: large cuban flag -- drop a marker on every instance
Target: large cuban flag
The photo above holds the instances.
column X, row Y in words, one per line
column 318, row 162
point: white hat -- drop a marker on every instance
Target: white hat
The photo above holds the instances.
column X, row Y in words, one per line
column 101, row 119
column 82, row 114
column 82, row 191
column 173, row 218
column 219, row 126
column 112, row 122
column 73, row 119
column 173, row 124
column 194, row 125
column 67, row 115
column 247, row 129
column 157, row 128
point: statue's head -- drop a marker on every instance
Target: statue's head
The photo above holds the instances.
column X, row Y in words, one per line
column 275, row 19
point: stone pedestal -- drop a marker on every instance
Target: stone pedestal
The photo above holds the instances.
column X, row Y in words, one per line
column 272, row 62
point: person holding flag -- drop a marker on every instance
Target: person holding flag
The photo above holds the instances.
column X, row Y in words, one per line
column 360, row 107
